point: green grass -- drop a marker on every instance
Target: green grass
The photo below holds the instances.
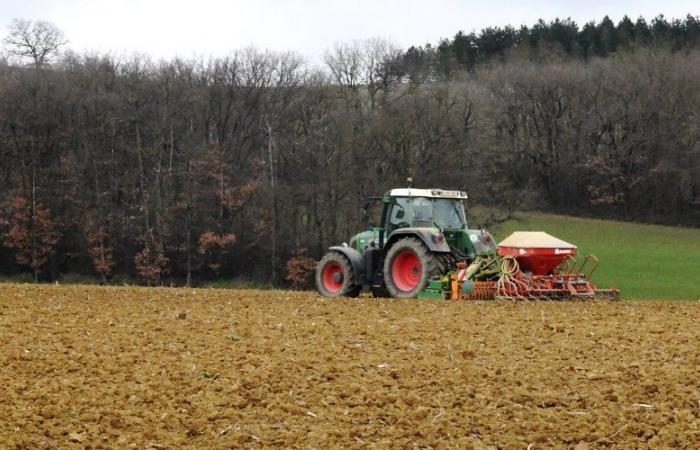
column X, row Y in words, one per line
column 79, row 279
column 643, row 261
column 18, row 278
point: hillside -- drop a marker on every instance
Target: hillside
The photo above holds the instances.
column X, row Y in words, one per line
column 644, row 261
column 156, row 173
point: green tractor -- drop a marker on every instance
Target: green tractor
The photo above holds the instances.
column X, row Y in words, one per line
column 421, row 235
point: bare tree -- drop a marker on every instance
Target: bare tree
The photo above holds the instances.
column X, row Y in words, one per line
column 38, row 40
column 379, row 57
column 345, row 64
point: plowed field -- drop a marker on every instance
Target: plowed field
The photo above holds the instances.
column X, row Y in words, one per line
column 91, row 367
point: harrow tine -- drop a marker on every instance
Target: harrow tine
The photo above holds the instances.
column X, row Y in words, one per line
column 584, row 263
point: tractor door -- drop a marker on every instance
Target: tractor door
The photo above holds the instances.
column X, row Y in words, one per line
column 399, row 214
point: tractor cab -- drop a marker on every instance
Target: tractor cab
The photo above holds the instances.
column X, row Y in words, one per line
column 433, row 213
column 425, row 210
column 433, row 209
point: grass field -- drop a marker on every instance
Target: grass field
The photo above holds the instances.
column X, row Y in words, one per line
column 644, row 261
column 167, row 368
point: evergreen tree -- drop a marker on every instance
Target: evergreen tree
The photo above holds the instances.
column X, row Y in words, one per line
column 606, row 38
column 642, row 32
column 625, row 32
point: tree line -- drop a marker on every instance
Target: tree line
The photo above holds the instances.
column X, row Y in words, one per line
column 466, row 51
column 251, row 165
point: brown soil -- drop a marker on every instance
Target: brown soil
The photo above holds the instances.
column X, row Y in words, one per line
column 90, row 367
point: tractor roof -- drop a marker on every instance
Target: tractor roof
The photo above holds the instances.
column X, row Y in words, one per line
column 435, row 193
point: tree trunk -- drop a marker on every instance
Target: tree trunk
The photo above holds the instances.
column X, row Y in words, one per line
column 273, row 237
column 188, row 226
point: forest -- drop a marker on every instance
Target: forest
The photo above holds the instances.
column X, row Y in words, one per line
column 130, row 169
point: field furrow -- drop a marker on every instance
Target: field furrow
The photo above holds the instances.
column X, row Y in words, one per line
column 119, row 367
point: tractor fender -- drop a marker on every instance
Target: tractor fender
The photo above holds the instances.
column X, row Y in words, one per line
column 429, row 236
column 357, row 260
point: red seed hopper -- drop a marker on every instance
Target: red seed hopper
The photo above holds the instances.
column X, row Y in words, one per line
column 536, row 251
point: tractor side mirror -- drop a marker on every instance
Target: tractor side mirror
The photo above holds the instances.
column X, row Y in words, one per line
column 399, row 214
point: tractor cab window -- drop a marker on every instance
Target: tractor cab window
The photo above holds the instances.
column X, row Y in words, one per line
column 401, row 212
column 426, row 212
column 422, row 212
column 412, row 212
column 449, row 213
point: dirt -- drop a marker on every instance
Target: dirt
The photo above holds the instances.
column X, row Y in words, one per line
column 91, row 367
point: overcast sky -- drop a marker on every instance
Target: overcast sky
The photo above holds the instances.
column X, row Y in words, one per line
column 166, row 28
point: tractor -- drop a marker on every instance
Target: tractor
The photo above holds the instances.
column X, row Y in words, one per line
column 422, row 234
column 424, row 248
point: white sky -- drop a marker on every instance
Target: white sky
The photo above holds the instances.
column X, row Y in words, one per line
column 166, row 28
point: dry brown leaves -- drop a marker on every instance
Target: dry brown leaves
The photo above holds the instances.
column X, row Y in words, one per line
column 90, row 367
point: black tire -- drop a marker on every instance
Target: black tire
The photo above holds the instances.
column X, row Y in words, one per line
column 380, row 292
column 335, row 277
column 408, row 281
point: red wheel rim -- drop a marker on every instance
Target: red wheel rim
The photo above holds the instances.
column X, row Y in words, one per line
column 332, row 277
column 406, row 271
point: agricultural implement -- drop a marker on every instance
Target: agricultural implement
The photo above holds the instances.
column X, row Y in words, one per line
column 424, row 248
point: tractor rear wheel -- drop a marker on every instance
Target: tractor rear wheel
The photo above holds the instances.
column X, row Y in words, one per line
column 335, row 277
column 408, row 266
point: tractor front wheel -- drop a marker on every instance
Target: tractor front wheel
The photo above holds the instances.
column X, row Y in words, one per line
column 408, row 266
column 335, row 277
